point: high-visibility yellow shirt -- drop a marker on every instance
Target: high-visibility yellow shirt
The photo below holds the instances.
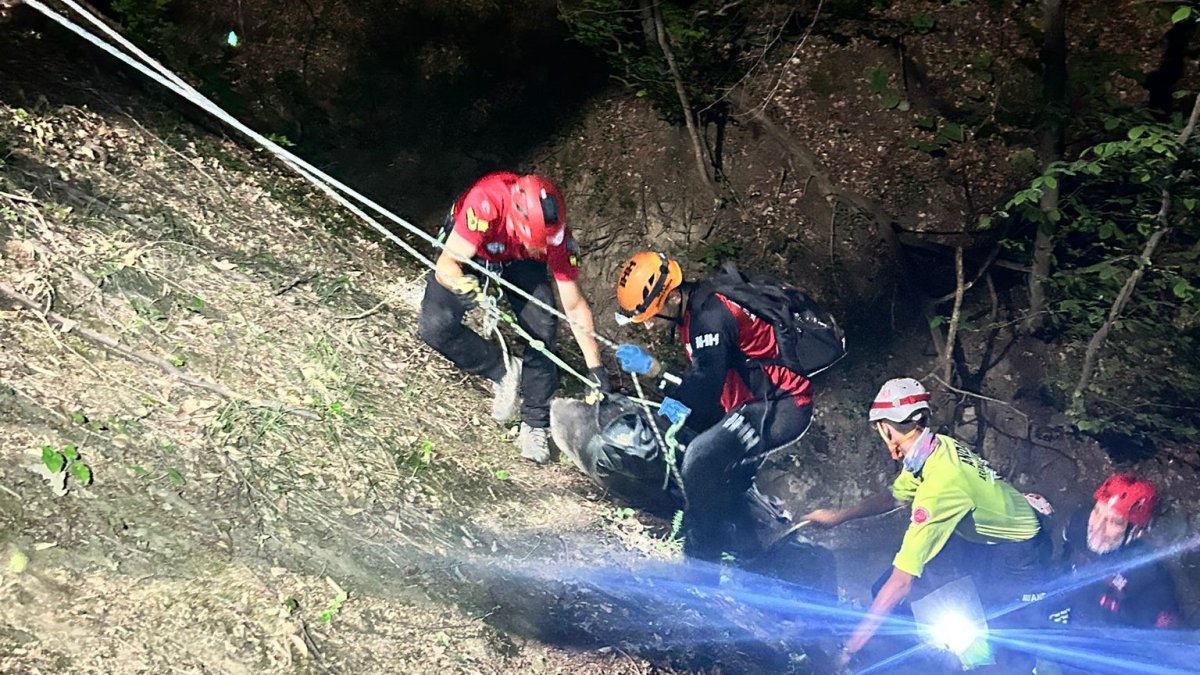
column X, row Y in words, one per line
column 956, row 492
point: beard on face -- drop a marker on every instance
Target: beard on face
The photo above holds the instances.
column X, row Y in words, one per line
column 1097, row 542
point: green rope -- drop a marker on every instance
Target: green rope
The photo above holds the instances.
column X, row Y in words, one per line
column 672, row 445
column 490, row 306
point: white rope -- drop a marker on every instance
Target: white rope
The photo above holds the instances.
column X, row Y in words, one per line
column 318, row 178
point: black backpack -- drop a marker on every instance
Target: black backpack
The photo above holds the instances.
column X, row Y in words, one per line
column 809, row 338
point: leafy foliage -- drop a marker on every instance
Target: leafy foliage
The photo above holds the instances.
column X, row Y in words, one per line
column 69, row 460
column 146, row 20
column 708, row 37
column 1111, row 204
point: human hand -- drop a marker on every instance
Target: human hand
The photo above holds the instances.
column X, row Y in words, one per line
column 674, row 410
column 634, row 359
column 822, row 518
column 467, row 285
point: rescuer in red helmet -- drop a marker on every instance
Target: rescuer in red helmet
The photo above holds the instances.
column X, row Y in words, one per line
column 516, row 227
column 1107, row 535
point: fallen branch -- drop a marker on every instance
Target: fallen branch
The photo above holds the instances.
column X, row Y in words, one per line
column 980, row 396
column 299, row 279
column 365, row 313
column 19, row 198
column 194, row 163
column 117, row 348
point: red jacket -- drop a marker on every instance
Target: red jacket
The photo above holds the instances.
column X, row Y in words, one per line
column 481, row 217
column 719, row 337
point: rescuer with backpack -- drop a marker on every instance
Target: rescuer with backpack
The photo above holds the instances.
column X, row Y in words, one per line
column 516, row 228
column 752, row 348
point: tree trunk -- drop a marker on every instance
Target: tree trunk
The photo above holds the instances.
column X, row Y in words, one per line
column 1054, row 101
column 1130, row 285
column 646, row 11
column 684, row 105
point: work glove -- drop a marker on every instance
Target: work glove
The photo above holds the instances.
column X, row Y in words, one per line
column 674, row 410
column 467, row 289
column 600, row 375
column 635, row 360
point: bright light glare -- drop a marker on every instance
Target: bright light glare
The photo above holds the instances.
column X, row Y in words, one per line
column 954, row 632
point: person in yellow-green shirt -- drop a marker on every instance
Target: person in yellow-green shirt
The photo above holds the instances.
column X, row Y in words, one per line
column 964, row 518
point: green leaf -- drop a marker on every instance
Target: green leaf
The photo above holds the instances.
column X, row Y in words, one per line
column 1182, row 289
column 926, row 122
column 1182, row 93
column 175, row 476
column 953, row 132
column 892, row 101
column 53, row 459
column 79, row 418
column 503, row 474
column 985, row 222
column 642, row 93
column 1052, row 182
column 82, row 473
column 877, row 79
column 1182, row 14
column 1136, row 133
column 71, row 453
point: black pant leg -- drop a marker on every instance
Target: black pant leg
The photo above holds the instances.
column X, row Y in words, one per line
column 441, row 327
column 539, row 375
column 719, row 467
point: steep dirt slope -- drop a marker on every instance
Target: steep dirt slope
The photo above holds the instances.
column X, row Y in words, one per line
column 263, row 469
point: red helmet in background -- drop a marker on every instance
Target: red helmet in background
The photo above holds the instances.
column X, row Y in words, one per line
column 1131, row 497
column 538, row 213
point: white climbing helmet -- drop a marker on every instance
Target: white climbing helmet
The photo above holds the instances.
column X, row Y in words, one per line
column 898, row 400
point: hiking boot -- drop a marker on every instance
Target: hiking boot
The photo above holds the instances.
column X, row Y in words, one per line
column 534, row 444
column 504, row 405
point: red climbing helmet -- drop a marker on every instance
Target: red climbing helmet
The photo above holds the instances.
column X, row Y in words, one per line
column 538, row 214
column 1131, row 497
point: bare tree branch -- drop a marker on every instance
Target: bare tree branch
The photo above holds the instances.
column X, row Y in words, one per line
column 681, row 92
column 955, row 314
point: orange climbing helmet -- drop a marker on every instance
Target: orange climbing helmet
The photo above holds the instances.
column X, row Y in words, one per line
column 539, row 215
column 645, row 282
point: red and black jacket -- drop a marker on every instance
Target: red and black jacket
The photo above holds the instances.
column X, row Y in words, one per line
column 723, row 341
